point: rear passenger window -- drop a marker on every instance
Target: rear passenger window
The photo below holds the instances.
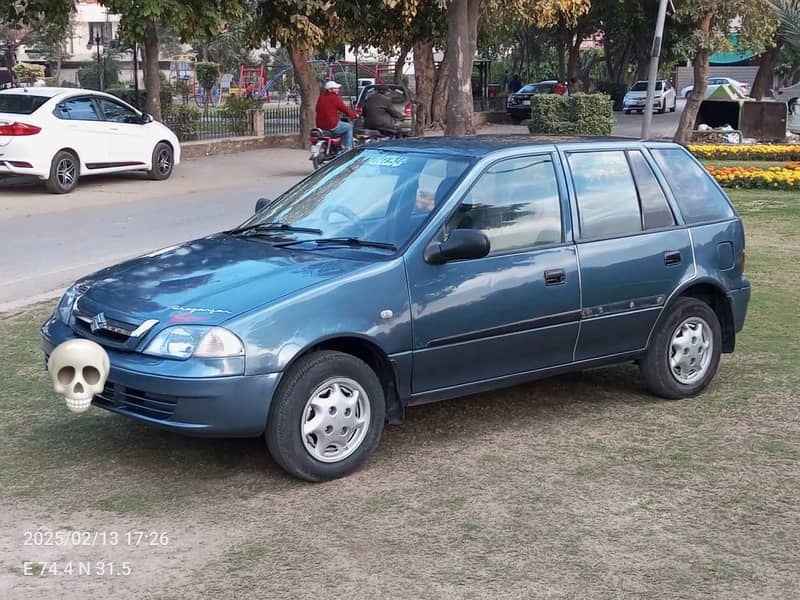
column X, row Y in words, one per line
column 655, row 210
column 77, row 109
column 608, row 205
column 697, row 195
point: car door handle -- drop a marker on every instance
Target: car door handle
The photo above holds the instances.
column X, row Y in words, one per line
column 555, row 277
column 672, row 257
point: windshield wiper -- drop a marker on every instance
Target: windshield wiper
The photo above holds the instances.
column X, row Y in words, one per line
column 275, row 226
column 342, row 241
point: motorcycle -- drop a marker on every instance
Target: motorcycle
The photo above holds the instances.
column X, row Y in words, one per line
column 325, row 145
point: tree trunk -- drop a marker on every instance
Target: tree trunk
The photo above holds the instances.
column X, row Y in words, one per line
column 700, row 66
column 574, row 58
column 561, row 47
column 441, row 92
column 309, row 91
column 424, row 74
column 11, row 61
column 766, row 71
column 462, row 37
column 152, row 80
column 400, row 63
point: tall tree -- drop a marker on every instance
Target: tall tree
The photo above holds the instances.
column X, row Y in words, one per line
column 711, row 23
column 788, row 14
column 462, row 36
column 301, row 26
column 19, row 19
column 190, row 19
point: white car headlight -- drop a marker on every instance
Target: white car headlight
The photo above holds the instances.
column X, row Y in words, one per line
column 65, row 305
column 184, row 341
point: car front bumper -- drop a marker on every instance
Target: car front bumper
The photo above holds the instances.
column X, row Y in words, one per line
column 213, row 406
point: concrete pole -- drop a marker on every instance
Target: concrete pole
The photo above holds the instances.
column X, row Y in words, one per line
column 655, row 55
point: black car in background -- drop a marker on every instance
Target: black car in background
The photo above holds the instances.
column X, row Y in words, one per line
column 518, row 105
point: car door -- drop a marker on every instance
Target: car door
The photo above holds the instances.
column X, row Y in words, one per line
column 84, row 131
column 513, row 311
column 130, row 142
column 632, row 253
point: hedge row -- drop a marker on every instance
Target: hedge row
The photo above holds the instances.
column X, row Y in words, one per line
column 578, row 114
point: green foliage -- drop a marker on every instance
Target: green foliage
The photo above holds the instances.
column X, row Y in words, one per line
column 183, row 120
column 29, row 73
column 579, row 114
column 184, row 89
column 18, row 13
column 616, row 91
column 166, row 92
column 88, row 72
column 207, row 74
column 237, row 106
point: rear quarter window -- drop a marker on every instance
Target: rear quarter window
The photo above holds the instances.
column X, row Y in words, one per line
column 21, row 104
column 698, row 197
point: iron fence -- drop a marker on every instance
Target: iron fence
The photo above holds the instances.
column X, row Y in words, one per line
column 281, row 119
column 209, row 126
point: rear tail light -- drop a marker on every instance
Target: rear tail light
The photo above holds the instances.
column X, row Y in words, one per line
column 407, row 110
column 19, row 129
column 21, row 164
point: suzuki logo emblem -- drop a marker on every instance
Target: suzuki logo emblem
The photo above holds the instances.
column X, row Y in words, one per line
column 98, row 322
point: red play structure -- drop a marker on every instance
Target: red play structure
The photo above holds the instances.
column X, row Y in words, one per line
column 254, row 75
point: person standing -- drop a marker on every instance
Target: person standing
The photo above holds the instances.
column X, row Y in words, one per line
column 515, row 84
column 329, row 106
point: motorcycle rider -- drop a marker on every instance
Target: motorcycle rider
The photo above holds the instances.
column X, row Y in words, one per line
column 329, row 106
column 380, row 113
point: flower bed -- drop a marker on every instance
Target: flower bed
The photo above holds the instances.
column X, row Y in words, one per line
column 754, row 152
column 774, row 178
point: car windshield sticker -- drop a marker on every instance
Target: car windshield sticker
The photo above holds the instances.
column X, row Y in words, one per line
column 385, row 160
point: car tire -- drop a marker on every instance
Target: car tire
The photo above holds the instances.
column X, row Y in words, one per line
column 663, row 109
column 162, row 163
column 309, row 390
column 626, row 111
column 65, row 169
column 639, row 110
column 516, row 121
column 684, row 351
column 686, row 96
column 674, row 105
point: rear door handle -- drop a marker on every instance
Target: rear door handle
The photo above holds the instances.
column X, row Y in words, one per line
column 555, row 277
column 672, row 257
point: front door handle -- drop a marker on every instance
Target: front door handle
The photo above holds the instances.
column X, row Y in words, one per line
column 555, row 277
column 672, row 257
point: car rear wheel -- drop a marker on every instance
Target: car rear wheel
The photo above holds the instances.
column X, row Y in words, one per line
column 327, row 416
column 64, row 172
column 684, row 352
column 516, row 120
column 163, row 162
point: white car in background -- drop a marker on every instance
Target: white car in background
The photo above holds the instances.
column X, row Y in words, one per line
column 61, row 134
column 714, row 83
column 663, row 100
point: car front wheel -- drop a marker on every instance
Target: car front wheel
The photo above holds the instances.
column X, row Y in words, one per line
column 64, row 173
column 327, row 416
column 162, row 163
column 684, row 351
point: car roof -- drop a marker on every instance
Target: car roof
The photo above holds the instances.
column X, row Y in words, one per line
column 52, row 92
column 481, row 145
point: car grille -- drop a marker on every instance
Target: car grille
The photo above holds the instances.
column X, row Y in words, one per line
column 146, row 404
column 113, row 331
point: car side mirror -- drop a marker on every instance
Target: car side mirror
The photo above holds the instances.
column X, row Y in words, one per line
column 461, row 244
column 262, row 203
column 147, row 118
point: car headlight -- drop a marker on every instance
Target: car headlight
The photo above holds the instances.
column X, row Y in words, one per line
column 201, row 341
column 65, row 305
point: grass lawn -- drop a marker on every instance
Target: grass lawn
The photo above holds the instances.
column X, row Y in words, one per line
column 581, row 486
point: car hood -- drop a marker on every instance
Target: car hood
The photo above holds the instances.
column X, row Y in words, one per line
column 205, row 281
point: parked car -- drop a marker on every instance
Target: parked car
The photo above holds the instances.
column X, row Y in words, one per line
column 714, row 83
column 401, row 98
column 419, row 270
column 793, row 122
column 518, row 105
column 636, row 98
column 61, row 134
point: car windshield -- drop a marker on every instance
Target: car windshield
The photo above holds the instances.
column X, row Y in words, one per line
column 641, row 86
column 373, row 195
column 21, row 104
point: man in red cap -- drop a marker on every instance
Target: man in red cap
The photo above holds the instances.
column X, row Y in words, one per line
column 329, row 106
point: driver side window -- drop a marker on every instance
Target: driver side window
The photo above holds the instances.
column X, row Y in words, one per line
column 117, row 113
column 515, row 203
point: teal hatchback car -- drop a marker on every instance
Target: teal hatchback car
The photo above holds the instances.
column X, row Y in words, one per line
column 420, row 270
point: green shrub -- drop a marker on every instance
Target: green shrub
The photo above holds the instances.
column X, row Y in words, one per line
column 87, row 75
column 616, row 91
column 183, row 120
column 28, row 73
column 207, row 74
column 235, row 110
column 578, row 114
